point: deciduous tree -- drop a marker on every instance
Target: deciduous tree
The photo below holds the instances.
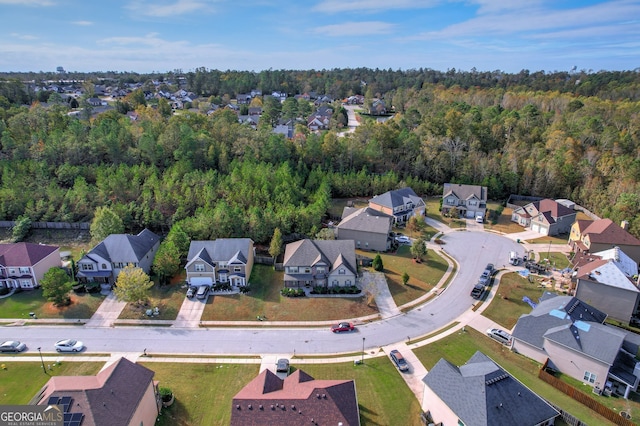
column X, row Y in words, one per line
column 56, row 286
column 275, row 248
column 132, row 285
column 419, row 249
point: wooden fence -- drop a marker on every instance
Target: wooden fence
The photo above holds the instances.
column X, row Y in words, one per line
column 583, row 398
column 49, row 225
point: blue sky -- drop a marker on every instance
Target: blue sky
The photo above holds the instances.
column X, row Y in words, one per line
column 165, row 35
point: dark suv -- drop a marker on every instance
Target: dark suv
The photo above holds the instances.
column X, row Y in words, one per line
column 399, row 360
column 477, row 291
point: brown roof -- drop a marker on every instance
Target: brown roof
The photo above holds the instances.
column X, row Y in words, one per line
column 109, row 398
column 583, row 224
column 298, row 399
column 556, row 209
column 587, row 268
column 604, row 231
column 24, row 254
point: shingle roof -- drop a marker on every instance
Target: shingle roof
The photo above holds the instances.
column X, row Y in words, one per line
column 298, row 399
column 482, row 393
column 464, row 192
column 24, row 254
column 125, row 247
column 310, row 252
column 604, row 231
column 366, row 220
column 554, row 208
column 222, row 249
column 606, row 272
column 595, row 340
column 397, row 198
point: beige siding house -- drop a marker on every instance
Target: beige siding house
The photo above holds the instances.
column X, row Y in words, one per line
column 468, row 201
column 592, row 236
column 547, row 217
column 225, row 261
column 400, row 204
column 323, row 263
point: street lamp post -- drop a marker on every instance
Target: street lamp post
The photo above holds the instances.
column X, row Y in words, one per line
column 362, row 361
column 42, row 361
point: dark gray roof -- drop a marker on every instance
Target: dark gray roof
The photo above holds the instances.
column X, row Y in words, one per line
column 595, row 340
column 310, row 252
column 482, row 393
column 366, row 220
column 397, row 197
column 465, row 192
column 126, row 248
column 222, row 249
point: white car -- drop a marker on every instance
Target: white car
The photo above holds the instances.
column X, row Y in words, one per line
column 403, row 239
column 12, row 346
column 499, row 335
column 69, row 345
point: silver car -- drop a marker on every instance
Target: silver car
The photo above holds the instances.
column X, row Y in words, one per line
column 12, row 346
column 69, row 345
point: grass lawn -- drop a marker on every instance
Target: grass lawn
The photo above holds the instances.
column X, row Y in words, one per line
column 504, row 223
column 507, row 306
column 20, row 304
column 168, row 298
column 422, row 276
column 557, row 260
column 338, row 205
column 20, row 381
column 459, row 347
column 383, row 397
column 264, row 299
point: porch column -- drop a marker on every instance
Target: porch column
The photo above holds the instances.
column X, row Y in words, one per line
column 626, row 391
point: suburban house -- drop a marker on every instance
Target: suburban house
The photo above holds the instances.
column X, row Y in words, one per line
column 327, row 263
column 468, row 201
column 22, row 265
column 609, row 283
column 298, row 399
column 547, row 217
column 481, row 393
column 591, row 236
column 569, row 335
column 400, row 204
column 104, row 262
column 122, row 394
column 225, row 260
column 369, row 228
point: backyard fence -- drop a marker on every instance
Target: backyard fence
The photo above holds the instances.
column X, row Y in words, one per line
column 49, row 225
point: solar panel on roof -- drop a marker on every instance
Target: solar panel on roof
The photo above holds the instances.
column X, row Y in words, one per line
column 53, row 400
column 65, row 401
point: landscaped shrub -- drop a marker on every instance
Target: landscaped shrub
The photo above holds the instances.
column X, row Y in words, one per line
column 336, row 290
column 4, row 290
column 292, row 292
column 377, row 263
column 245, row 289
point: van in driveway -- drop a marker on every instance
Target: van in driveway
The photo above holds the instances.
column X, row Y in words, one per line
column 203, row 292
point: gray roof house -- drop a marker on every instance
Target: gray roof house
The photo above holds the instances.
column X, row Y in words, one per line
column 571, row 335
column 548, row 217
column 610, row 284
column 468, row 200
column 369, row 228
column 326, row 263
column 225, row 260
column 400, row 204
column 479, row 393
column 104, row 262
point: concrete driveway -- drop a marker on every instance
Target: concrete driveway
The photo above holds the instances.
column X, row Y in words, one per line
column 417, row 371
column 190, row 313
column 376, row 283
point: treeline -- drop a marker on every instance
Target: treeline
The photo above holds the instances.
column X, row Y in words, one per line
column 235, row 181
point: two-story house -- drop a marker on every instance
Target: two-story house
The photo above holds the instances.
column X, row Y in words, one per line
column 468, row 201
column 327, row 263
column 400, row 204
column 225, row 260
column 22, row 265
column 591, row 236
column 104, row 262
column 547, row 217
column 369, row 228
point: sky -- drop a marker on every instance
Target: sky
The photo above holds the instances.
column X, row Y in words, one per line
column 166, row 35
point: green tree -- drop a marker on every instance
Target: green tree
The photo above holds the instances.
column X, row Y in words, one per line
column 377, row 263
column 275, row 248
column 21, row 228
column 419, row 248
column 56, row 286
column 405, row 278
column 132, row 285
column 105, row 222
column 166, row 262
column 326, row 234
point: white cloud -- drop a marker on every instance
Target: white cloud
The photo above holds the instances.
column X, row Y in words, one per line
column 174, row 8
column 28, row 2
column 355, row 29
column 24, row 36
column 83, row 23
column 337, row 6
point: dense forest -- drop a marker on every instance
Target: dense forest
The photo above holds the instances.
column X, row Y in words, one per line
column 560, row 135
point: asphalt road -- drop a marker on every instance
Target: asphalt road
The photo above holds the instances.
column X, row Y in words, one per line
column 472, row 250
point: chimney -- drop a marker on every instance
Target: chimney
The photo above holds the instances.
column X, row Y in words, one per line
column 624, row 225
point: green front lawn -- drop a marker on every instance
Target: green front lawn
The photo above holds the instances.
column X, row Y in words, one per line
column 265, row 300
column 167, row 298
column 19, row 305
column 20, row 381
column 459, row 347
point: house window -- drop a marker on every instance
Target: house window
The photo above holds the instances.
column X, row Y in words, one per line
column 12, row 271
column 358, row 243
column 292, row 269
column 366, row 244
column 450, row 201
column 25, row 270
column 307, row 270
column 341, row 271
column 199, row 267
column 26, row 284
column 347, row 282
column 334, row 282
column 237, row 269
column 460, row 423
column 320, row 269
column 104, row 266
column 87, row 267
column 589, row 377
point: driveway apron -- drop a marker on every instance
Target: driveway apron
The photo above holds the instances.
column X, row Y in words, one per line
column 108, row 311
column 377, row 284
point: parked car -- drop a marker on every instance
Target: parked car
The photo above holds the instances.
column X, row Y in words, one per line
column 499, row 335
column 477, row 291
column 12, row 346
column 191, row 291
column 399, row 360
column 203, row 292
column 343, row 326
column 69, row 345
column 513, row 258
column 479, row 218
column 282, row 366
column 403, row 239
column 490, row 268
column 485, row 277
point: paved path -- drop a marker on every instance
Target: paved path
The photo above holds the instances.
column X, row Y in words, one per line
column 417, row 371
column 376, row 283
column 106, row 314
column 190, row 313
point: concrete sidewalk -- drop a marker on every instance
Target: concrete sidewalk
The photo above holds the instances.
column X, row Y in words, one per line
column 108, row 311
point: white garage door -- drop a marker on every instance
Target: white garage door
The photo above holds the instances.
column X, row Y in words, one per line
column 535, row 227
column 198, row 281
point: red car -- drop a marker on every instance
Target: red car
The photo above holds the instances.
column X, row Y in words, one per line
column 343, row 326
